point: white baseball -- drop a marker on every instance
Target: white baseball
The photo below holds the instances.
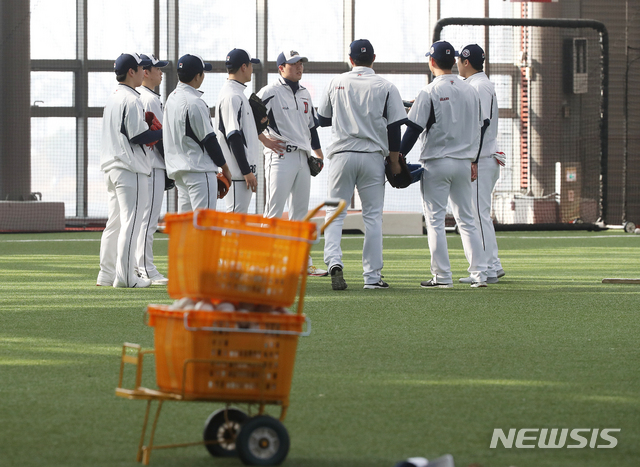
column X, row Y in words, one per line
column 185, row 303
column 204, row 305
column 226, row 306
column 637, row 231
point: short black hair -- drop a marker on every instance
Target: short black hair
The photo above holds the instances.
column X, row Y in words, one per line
column 123, row 76
column 362, row 62
column 187, row 77
column 446, row 64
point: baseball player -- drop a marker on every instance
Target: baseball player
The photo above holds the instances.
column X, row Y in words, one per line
column 365, row 112
column 236, row 130
column 192, row 152
column 151, row 102
column 289, row 141
column 470, row 66
column 446, row 117
column 126, row 166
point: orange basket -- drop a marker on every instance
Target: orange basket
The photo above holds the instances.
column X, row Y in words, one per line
column 235, row 356
column 237, row 257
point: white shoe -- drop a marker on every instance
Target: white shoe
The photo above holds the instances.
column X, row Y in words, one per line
column 159, row 280
column 314, row 271
column 465, row 280
column 500, row 272
column 138, row 283
column 104, row 284
column 478, row 284
column 492, row 280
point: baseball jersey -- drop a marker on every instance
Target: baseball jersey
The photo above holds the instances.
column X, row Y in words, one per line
column 489, row 102
column 151, row 103
column 361, row 105
column 234, row 115
column 122, row 120
column 291, row 116
column 449, row 110
column 187, row 122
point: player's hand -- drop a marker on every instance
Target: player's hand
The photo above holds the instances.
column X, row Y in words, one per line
column 227, row 173
column 395, row 163
column 501, row 158
column 273, row 144
column 252, row 182
column 474, row 171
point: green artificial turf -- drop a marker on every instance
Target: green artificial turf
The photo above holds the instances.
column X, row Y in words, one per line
column 385, row 374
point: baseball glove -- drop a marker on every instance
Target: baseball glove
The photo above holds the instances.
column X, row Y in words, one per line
column 315, row 165
column 152, row 121
column 168, row 183
column 259, row 112
column 223, row 186
column 401, row 180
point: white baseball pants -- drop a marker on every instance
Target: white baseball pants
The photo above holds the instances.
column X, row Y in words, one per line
column 365, row 171
column 288, row 179
column 196, row 190
column 443, row 179
column 239, row 197
column 144, row 254
column 128, row 194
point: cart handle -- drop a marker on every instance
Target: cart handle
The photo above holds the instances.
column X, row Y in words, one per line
column 196, row 213
column 306, row 333
column 339, row 204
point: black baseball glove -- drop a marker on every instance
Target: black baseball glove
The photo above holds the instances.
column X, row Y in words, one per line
column 401, row 180
column 315, row 165
column 259, row 112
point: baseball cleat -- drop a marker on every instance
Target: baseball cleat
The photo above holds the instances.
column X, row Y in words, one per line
column 432, row 284
column 104, row 284
column 465, row 280
column 337, row 279
column 378, row 285
column 139, row 283
column 314, row 271
column 500, row 272
column 492, row 280
column 159, row 280
column 475, row 285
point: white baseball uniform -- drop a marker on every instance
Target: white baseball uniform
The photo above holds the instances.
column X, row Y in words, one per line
column 361, row 105
column 126, row 168
column 448, row 111
column 488, row 171
column 234, row 115
column 187, row 122
column 144, row 257
column 291, row 117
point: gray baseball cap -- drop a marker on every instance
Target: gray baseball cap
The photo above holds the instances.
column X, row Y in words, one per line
column 290, row 57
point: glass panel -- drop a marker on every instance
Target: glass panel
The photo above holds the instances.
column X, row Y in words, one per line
column 53, row 38
column 119, row 26
column 462, row 8
column 97, row 191
column 52, row 89
column 407, row 43
column 101, row 85
column 504, row 90
column 289, row 26
column 212, row 28
column 502, row 9
column 53, row 160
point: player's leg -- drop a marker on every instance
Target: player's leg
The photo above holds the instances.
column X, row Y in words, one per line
column 370, row 183
column 144, row 256
column 435, row 185
column 239, row 197
column 300, row 186
column 203, row 189
column 488, row 174
column 279, row 174
column 184, row 202
column 109, row 240
column 132, row 192
column 461, row 202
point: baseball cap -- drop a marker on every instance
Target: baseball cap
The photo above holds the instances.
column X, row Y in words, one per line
column 361, row 50
column 290, row 57
column 154, row 61
column 442, row 50
column 473, row 53
column 193, row 64
column 126, row 61
column 238, row 57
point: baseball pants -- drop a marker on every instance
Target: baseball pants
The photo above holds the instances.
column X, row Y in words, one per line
column 128, row 194
column 239, row 197
column 144, row 254
column 288, row 179
column 488, row 174
column 196, row 190
column 443, row 179
column 365, row 171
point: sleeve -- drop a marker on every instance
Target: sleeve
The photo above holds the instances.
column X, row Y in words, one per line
column 324, row 108
column 200, row 119
column 420, row 110
column 230, row 113
column 134, row 119
column 395, row 110
column 486, row 98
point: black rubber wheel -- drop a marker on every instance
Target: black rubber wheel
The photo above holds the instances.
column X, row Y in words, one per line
column 263, row 440
column 223, row 426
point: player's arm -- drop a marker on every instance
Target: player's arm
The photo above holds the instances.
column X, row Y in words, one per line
column 273, row 144
column 421, row 117
column 325, row 110
column 236, row 143
column 149, row 136
column 135, row 124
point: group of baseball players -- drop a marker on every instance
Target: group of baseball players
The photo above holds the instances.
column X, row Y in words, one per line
column 148, row 147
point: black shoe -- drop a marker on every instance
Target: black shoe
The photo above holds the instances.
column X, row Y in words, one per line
column 337, row 279
column 378, row 285
column 432, row 284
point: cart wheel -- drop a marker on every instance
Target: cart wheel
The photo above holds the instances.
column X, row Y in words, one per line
column 223, row 426
column 263, row 440
column 629, row 227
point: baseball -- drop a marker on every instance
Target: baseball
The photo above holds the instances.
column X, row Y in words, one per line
column 637, row 231
column 184, row 303
column 226, row 306
column 204, row 305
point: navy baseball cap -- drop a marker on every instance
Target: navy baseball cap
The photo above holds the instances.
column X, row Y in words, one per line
column 154, row 61
column 193, row 64
column 475, row 55
column 361, row 50
column 442, row 50
column 238, row 57
column 290, row 57
column 126, row 61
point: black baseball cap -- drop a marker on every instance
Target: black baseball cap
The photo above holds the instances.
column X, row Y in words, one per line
column 290, row 57
column 193, row 64
column 127, row 61
column 475, row 55
column 442, row 50
column 361, row 50
column 154, row 61
column 238, row 57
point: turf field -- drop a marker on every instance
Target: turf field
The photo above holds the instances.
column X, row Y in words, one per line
column 385, row 374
